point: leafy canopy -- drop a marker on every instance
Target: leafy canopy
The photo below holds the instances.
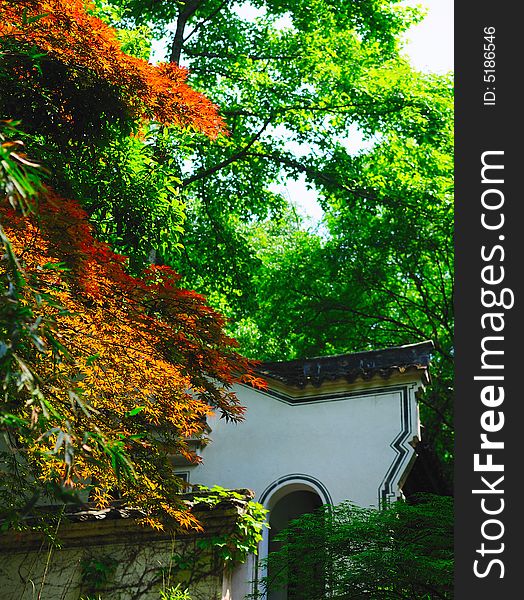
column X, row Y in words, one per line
column 318, row 93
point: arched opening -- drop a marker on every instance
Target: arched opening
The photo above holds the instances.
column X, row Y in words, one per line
column 288, row 507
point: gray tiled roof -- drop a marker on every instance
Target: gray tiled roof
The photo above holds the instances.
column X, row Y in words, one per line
column 365, row 365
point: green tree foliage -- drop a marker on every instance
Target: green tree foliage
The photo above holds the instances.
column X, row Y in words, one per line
column 345, row 552
column 317, row 92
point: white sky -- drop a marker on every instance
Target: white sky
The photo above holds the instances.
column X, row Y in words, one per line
column 430, row 44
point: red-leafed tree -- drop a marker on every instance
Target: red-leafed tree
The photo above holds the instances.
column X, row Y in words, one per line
column 61, row 50
column 104, row 375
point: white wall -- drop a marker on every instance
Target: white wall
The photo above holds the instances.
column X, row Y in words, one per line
column 347, row 444
column 342, row 441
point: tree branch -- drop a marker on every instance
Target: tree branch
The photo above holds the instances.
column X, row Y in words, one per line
column 221, row 165
column 187, row 10
column 206, row 20
column 232, row 56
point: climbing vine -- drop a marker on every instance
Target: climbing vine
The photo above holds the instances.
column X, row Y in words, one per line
column 234, row 547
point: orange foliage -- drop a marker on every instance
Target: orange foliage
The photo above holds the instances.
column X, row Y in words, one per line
column 67, row 32
column 124, row 369
column 144, row 361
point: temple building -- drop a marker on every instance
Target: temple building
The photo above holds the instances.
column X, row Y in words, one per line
column 324, row 430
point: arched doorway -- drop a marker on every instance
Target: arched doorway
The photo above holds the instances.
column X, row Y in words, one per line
column 287, row 499
column 289, row 507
